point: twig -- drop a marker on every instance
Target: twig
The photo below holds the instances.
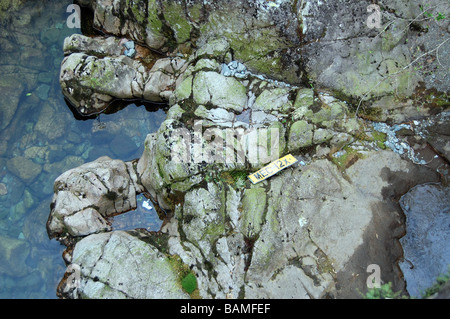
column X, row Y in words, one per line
column 399, row 71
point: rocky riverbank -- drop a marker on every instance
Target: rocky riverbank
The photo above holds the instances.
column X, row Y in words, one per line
column 248, row 82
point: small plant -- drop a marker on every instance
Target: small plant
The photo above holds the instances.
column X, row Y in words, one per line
column 240, row 178
column 189, row 283
column 440, row 281
column 186, row 277
column 384, row 292
column 436, row 16
column 235, row 178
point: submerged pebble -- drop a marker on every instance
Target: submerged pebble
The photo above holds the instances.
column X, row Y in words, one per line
column 3, row 189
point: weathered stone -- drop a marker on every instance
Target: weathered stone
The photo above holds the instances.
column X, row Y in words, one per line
column 13, row 253
column 204, row 216
column 274, row 99
column 109, row 46
column 91, row 83
column 320, row 228
column 322, row 135
column 218, row 116
column 10, row 85
column 47, row 124
column 220, row 91
column 107, row 186
column 300, row 135
column 24, row 168
column 311, row 229
column 120, row 265
column 253, row 207
column 85, row 222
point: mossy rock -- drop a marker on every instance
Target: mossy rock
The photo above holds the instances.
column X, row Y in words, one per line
column 300, row 135
column 189, row 283
column 253, row 208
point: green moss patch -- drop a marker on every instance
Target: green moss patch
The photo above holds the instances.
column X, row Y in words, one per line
column 185, row 276
column 189, row 283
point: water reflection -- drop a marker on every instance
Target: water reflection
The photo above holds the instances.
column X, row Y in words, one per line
column 40, row 138
column 144, row 216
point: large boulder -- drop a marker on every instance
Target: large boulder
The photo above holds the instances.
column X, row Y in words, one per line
column 91, row 83
column 95, row 72
column 85, row 196
column 119, row 265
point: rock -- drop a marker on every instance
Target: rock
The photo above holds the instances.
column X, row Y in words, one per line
column 24, row 168
column 42, row 91
column 78, row 43
column 91, row 83
column 86, row 221
column 203, row 217
column 274, row 99
column 326, row 227
column 11, row 86
column 86, row 195
column 300, row 135
column 310, row 231
column 49, row 126
column 13, row 254
column 234, row 68
column 253, row 206
column 3, row 189
column 217, row 116
column 425, row 245
column 158, row 86
column 220, row 91
column 119, row 265
column 439, row 137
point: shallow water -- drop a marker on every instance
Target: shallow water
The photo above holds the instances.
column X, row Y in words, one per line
column 40, row 138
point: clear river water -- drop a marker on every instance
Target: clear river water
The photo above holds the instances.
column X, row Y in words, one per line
column 40, row 138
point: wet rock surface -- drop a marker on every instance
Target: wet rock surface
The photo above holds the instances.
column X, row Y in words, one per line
column 425, row 245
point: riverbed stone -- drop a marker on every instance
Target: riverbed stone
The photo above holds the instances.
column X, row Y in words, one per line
column 24, row 168
column 13, row 254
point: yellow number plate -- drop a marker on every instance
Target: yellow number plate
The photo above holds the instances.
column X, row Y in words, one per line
column 272, row 168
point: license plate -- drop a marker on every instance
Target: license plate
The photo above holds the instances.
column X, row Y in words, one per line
column 272, row 168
